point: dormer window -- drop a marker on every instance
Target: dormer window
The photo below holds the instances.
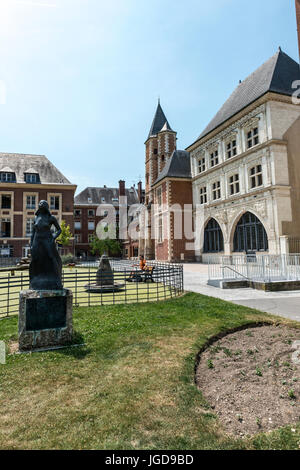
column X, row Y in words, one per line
column 7, row 177
column 32, row 178
column 103, row 199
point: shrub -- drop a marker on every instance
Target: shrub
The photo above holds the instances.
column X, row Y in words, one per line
column 67, row 259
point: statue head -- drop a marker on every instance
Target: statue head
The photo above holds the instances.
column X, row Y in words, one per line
column 43, row 208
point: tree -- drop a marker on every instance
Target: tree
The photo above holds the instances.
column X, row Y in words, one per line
column 106, row 245
column 65, row 236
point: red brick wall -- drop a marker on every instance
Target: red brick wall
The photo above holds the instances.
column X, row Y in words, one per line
column 181, row 193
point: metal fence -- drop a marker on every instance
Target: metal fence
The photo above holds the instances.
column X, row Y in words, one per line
column 7, row 262
column 131, row 285
column 265, row 268
column 294, row 245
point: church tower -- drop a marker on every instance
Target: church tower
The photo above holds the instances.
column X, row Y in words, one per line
column 160, row 144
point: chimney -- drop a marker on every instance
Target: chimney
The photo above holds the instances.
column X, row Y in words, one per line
column 298, row 21
column 140, row 191
column 121, row 188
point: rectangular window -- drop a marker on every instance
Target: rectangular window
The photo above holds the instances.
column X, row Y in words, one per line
column 234, row 184
column 29, row 227
column 77, row 225
column 77, row 238
column 214, row 158
column 231, row 149
column 203, row 195
column 5, row 201
column 201, row 165
column 216, row 190
column 30, row 202
column 91, row 225
column 5, row 228
column 160, row 229
column 91, row 213
column 159, row 197
column 256, row 178
column 77, row 213
column 252, row 137
column 54, row 203
column 90, row 238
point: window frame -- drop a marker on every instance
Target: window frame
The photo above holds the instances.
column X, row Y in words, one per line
column 201, row 165
column 231, row 149
column 234, row 186
column 252, row 137
column 203, row 195
column 216, row 190
column 256, row 177
column 214, row 158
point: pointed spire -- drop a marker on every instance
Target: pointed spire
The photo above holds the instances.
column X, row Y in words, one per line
column 159, row 122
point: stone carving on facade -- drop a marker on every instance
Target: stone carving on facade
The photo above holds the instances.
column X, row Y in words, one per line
column 261, row 209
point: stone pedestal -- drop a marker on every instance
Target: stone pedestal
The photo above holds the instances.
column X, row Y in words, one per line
column 45, row 319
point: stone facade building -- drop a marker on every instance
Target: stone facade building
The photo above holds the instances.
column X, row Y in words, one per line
column 24, row 181
column 246, row 166
column 242, row 175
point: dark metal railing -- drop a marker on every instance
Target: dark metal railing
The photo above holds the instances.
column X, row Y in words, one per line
column 131, row 285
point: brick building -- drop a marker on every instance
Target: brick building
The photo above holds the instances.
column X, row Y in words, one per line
column 24, row 181
column 172, row 192
column 102, row 199
column 168, row 183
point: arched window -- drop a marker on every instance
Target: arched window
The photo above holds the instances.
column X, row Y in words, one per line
column 213, row 238
column 250, row 235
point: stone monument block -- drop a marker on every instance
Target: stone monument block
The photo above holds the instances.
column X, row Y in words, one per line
column 45, row 319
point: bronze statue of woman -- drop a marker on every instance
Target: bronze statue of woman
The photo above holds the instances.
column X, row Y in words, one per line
column 45, row 269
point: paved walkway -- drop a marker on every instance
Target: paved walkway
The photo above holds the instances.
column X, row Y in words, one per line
column 285, row 304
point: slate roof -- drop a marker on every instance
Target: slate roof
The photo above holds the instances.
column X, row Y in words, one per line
column 93, row 196
column 276, row 75
column 159, row 123
column 178, row 166
column 23, row 163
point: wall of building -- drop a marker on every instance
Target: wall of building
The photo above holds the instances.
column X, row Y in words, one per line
column 19, row 213
column 275, row 201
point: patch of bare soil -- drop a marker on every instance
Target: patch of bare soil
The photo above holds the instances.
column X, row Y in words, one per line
column 251, row 379
column 13, row 347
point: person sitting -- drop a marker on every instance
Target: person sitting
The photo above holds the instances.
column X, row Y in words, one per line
column 134, row 275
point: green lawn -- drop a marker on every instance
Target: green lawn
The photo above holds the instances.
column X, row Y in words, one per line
column 130, row 387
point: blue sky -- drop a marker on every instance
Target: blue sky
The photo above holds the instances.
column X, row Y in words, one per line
column 82, row 77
